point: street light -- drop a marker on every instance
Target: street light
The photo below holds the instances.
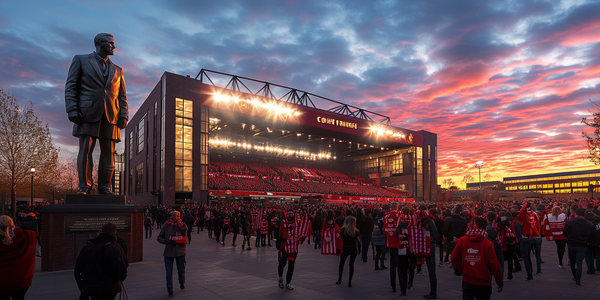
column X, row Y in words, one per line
column 479, row 165
column 32, row 172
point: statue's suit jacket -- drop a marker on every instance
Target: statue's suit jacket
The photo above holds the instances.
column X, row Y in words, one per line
column 86, row 90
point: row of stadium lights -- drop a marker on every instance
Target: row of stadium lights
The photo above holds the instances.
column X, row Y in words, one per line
column 378, row 130
column 278, row 109
column 271, row 106
column 280, row 151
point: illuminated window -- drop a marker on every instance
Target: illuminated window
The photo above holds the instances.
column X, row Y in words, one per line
column 131, row 144
column 183, row 144
column 140, row 135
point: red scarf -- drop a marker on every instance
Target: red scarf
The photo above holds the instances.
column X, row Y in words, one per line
column 420, row 239
column 171, row 223
column 294, row 232
column 334, row 245
column 477, row 232
column 390, row 222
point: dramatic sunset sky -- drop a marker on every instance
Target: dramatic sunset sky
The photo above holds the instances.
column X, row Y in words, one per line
column 506, row 82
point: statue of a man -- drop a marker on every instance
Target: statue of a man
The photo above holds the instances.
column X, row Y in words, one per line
column 97, row 105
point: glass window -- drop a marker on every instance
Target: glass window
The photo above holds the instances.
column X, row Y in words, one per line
column 139, row 178
column 183, row 144
column 140, row 135
column 131, row 144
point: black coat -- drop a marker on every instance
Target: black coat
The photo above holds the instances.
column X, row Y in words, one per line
column 454, row 226
column 100, row 267
column 579, row 232
column 317, row 223
column 366, row 226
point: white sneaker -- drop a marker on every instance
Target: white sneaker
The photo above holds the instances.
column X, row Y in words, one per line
column 560, row 267
column 280, row 283
column 289, row 287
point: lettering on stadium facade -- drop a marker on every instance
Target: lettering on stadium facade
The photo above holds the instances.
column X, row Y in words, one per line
column 335, row 122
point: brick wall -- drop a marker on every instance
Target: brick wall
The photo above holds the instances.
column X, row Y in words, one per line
column 60, row 249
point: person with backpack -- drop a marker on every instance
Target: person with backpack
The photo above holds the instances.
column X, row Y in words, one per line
column 101, row 266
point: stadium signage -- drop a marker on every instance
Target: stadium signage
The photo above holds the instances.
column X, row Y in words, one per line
column 336, row 122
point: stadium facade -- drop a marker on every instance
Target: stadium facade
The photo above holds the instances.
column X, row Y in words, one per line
column 185, row 123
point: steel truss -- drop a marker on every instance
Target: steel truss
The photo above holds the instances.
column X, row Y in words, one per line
column 293, row 96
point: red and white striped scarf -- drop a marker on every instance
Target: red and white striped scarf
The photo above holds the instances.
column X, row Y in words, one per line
column 420, row 239
column 304, row 226
column 331, row 241
column 257, row 215
column 477, row 232
column 293, row 232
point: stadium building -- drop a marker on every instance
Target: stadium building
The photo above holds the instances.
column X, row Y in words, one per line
column 221, row 136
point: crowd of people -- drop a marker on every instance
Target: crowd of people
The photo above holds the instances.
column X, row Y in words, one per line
column 481, row 242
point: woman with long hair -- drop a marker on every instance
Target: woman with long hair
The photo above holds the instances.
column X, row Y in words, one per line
column 350, row 235
column 553, row 227
column 17, row 249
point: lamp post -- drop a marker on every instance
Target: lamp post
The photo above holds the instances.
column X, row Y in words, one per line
column 479, row 165
column 32, row 172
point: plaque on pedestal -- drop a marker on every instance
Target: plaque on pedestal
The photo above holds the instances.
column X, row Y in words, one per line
column 66, row 229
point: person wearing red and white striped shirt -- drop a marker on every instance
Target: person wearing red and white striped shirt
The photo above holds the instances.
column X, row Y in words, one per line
column 289, row 234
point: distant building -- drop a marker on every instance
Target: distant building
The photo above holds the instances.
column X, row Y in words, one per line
column 494, row 185
column 575, row 184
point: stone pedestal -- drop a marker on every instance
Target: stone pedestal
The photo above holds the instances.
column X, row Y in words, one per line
column 94, row 199
column 66, row 228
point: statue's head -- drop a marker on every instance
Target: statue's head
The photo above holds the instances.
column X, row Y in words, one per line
column 105, row 44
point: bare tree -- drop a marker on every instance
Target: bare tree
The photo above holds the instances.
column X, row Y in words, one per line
column 466, row 179
column 593, row 138
column 25, row 143
column 487, row 177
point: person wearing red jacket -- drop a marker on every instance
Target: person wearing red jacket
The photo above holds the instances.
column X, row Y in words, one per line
column 17, row 250
column 390, row 222
column 474, row 257
column 531, row 239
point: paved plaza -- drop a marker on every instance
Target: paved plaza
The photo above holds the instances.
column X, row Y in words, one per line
column 214, row 271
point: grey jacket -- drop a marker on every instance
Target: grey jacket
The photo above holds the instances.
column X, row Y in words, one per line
column 172, row 249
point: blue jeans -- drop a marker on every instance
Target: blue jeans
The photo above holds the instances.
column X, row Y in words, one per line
column 576, row 256
column 180, row 270
column 430, row 261
column 526, row 247
column 592, row 253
